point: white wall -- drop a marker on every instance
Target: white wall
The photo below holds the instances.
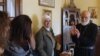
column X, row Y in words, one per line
column 84, row 4
column 31, row 8
column 34, row 10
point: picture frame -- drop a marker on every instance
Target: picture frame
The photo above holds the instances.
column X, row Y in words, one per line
column 48, row 12
column 93, row 12
column 47, row 3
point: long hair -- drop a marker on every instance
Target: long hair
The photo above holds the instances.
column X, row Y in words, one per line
column 4, row 26
column 20, row 28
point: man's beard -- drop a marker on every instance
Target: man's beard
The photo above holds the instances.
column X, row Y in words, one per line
column 85, row 23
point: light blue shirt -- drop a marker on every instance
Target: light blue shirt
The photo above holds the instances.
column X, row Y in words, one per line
column 66, row 37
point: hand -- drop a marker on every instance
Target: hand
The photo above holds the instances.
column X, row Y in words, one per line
column 72, row 32
column 75, row 31
column 58, row 47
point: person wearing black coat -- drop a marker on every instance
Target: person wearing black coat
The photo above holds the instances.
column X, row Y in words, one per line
column 84, row 36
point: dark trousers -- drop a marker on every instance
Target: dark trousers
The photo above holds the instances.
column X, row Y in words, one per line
column 83, row 52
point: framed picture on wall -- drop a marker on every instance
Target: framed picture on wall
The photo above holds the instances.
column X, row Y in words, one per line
column 47, row 3
column 47, row 12
column 93, row 11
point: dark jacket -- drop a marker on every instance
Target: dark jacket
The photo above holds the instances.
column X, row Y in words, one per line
column 85, row 44
column 88, row 35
